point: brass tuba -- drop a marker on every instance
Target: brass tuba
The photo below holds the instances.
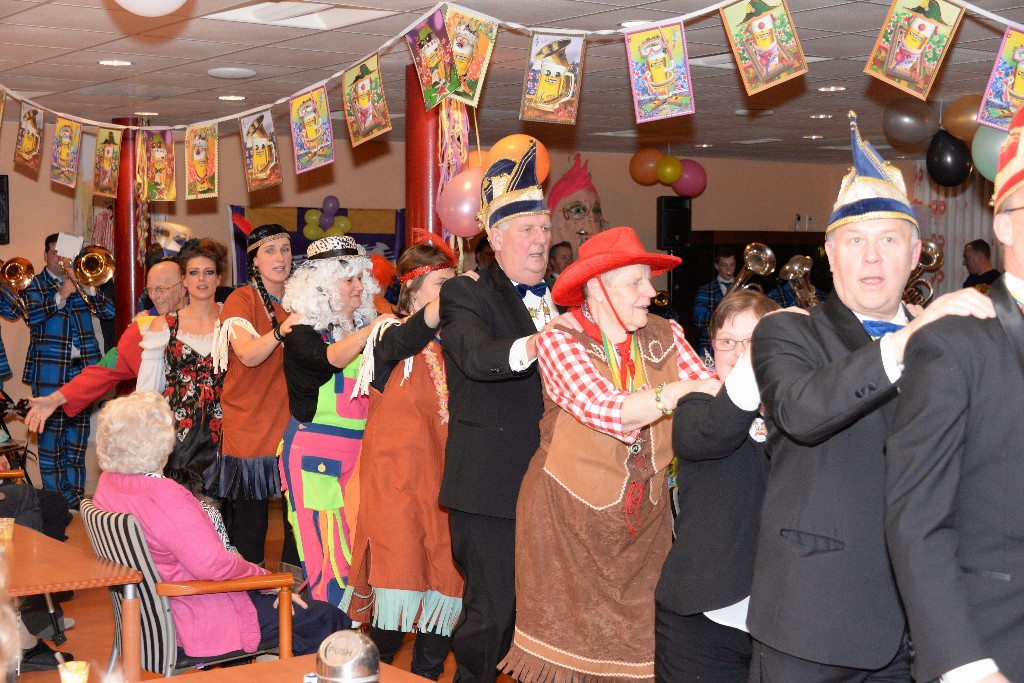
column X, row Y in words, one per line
column 758, row 259
column 797, row 272
column 660, row 298
column 15, row 276
column 94, row 266
column 918, row 290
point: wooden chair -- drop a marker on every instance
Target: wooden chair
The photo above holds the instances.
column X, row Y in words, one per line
column 119, row 538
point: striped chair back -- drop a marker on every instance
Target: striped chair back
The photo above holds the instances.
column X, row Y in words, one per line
column 118, row 537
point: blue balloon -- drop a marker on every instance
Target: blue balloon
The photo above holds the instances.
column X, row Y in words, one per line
column 331, row 206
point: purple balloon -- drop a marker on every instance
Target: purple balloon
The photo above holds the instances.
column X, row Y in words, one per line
column 693, row 180
column 326, row 222
column 330, row 206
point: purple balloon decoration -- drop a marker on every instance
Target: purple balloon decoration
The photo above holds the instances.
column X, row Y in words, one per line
column 326, row 222
column 330, row 206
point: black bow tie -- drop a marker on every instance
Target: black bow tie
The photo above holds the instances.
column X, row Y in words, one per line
column 539, row 289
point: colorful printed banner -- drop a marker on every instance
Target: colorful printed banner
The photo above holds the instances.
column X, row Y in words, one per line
column 366, row 110
column 259, row 144
column 659, row 72
column 554, row 78
column 912, row 44
column 28, row 148
column 1004, row 94
column 158, row 157
column 67, row 147
column 431, row 52
column 472, row 39
column 107, row 163
column 201, row 161
column 3, row 103
column 764, row 42
column 312, row 133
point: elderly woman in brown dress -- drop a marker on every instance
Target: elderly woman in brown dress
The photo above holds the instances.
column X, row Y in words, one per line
column 592, row 522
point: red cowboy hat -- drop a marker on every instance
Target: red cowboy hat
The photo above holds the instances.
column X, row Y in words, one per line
column 605, row 251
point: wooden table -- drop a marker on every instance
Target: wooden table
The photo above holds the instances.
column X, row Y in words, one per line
column 289, row 670
column 38, row 564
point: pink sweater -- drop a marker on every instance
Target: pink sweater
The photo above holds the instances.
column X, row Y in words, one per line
column 185, row 547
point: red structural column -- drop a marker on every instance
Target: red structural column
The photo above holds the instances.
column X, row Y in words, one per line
column 422, row 171
column 127, row 269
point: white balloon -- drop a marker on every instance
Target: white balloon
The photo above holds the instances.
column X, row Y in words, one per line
column 150, row 8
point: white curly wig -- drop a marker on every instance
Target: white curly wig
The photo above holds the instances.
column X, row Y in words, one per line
column 312, row 292
column 135, row 434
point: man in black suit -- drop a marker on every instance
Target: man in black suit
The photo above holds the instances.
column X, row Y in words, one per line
column 824, row 605
column 490, row 327
column 955, row 474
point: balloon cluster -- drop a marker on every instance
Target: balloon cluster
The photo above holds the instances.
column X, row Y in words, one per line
column 459, row 202
column 685, row 176
column 325, row 221
column 959, row 144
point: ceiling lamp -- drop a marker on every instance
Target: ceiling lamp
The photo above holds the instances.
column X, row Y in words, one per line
column 150, row 8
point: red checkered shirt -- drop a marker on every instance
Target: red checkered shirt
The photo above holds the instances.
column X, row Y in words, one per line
column 576, row 386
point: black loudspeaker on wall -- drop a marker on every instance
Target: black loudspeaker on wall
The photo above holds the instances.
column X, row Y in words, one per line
column 5, row 211
column 673, row 223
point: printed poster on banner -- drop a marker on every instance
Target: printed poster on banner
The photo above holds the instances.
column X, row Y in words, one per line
column 28, row 148
column 554, row 78
column 312, row 133
column 472, row 38
column 366, row 110
column 431, row 51
column 201, row 161
column 659, row 71
column 259, row 145
column 1005, row 92
column 158, row 153
column 3, row 103
column 912, row 44
column 764, row 43
column 67, row 147
column 107, row 163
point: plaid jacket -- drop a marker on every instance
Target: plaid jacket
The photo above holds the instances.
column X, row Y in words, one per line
column 54, row 330
column 704, row 305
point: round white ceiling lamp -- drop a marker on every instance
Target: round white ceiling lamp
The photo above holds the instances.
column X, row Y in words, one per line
column 150, row 8
column 231, row 72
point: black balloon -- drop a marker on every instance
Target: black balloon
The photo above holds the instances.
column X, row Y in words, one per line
column 949, row 160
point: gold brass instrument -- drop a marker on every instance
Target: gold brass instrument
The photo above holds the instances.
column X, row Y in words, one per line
column 758, row 259
column 918, row 290
column 797, row 272
column 15, row 276
column 94, row 266
column 661, row 298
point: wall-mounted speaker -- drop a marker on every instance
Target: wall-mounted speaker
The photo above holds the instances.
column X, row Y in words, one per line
column 673, row 223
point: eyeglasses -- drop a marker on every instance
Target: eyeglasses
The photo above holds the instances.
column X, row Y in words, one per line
column 159, row 291
column 729, row 344
column 1016, row 208
column 578, row 211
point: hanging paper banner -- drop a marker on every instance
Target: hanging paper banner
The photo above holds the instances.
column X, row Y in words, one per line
column 28, row 149
column 67, row 147
column 158, row 150
column 201, row 161
column 431, row 52
column 259, row 144
column 472, row 38
column 1005, row 92
column 659, row 71
column 107, row 162
column 554, row 78
column 366, row 110
column 912, row 44
column 764, row 42
column 3, row 103
column 312, row 133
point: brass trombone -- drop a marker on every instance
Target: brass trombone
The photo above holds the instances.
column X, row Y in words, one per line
column 918, row 290
column 15, row 276
column 797, row 272
column 758, row 259
column 94, row 266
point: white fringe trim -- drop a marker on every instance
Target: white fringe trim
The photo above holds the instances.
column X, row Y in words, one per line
column 366, row 366
column 222, row 331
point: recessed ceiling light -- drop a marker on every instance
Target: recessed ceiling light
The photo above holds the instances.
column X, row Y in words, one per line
column 231, row 98
column 145, row 113
column 231, row 72
column 703, row 145
column 114, row 62
column 813, row 137
column 832, row 88
column 821, row 116
column 754, row 112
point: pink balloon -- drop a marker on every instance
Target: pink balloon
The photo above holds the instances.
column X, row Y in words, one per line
column 693, row 180
column 460, row 202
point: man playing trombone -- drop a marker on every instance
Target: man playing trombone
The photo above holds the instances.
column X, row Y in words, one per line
column 61, row 344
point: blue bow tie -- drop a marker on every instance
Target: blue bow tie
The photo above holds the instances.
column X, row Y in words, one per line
column 539, row 289
column 878, row 329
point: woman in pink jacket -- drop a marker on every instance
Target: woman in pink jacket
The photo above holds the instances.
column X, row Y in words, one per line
column 135, row 435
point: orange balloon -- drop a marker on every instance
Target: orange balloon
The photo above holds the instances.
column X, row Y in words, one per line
column 643, row 166
column 960, row 118
column 513, row 147
column 475, row 159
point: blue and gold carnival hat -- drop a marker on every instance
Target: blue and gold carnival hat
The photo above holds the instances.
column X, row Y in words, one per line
column 872, row 189
column 510, row 189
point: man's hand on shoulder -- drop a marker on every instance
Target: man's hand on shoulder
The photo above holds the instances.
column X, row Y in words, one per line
column 963, row 302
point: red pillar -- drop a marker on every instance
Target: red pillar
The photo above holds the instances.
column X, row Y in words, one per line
column 422, row 171
column 129, row 277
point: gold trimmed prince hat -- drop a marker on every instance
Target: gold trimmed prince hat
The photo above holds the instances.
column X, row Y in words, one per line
column 510, row 189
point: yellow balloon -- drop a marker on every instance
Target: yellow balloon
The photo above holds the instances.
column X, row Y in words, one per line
column 343, row 222
column 334, row 231
column 312, row 232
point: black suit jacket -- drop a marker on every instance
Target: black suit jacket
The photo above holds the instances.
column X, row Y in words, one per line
column 823, row 587
column 955, row 491
column 494, row 424
column 722, row 473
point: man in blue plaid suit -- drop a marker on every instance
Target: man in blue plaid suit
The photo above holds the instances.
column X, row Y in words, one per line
column 62, row 343
column 709, row 295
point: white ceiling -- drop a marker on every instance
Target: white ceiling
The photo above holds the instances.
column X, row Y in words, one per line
column 53, row 46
